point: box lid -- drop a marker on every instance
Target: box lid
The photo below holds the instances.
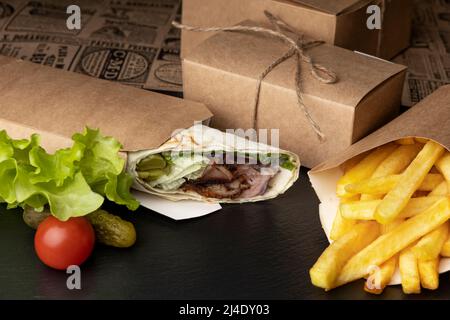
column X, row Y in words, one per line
column 334, row 7
column 249, row 54
column 58, row 103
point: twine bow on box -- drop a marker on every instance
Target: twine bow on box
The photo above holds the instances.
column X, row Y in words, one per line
column 297, row 47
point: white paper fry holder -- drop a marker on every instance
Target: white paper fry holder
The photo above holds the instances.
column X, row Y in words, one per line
column 428, row 119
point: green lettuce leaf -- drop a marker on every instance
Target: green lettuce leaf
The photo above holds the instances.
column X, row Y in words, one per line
column 55, row 167
column 72, row 182
column 72, row 199
column 117, row 189
column 102, row 166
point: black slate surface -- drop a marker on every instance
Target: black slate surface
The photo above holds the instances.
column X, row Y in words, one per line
column 250, row 251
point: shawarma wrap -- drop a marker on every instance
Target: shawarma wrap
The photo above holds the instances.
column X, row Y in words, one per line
column 205, row 164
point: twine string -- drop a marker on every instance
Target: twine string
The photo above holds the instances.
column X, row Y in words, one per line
column 297, row 46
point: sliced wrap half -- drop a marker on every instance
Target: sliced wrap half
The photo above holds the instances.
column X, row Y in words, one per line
column 205, row 164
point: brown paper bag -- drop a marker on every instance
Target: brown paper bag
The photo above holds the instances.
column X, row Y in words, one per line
column 428, row 119
column 342, row 23
column 56, row 104
column 223, row 71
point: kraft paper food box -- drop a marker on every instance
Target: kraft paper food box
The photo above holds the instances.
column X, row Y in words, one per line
column 223, row 71
column 342, row 23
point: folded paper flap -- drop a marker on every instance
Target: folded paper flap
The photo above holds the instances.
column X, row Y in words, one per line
column 429, row 119
column 62, row 103
column 249, row 54
column 334, row 7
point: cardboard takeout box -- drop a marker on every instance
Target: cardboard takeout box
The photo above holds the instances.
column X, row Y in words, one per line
column 339, row 22
column 222, row 72
column 56, row 104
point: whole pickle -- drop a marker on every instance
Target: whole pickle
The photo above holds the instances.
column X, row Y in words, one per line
column 33, row 218
column 112, row 230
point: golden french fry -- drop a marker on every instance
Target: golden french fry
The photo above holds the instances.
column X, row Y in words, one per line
column 324, row 272
column 443, row 165
column 387, row 245
column 409, row 272
column 381, row 277
column 350, row 163
column 445, row 251
column 365, row 210
column 429, row 273
column 364, row 169
column 386, row 228
column 430, row 246
column 397, row 198
column 440, row 190
column 342, row 225
column 359, row 210
column 405, row 141
column 383, row 185
column 431, row 181
column 395, row 163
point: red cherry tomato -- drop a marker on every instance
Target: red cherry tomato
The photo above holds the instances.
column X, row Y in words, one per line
column 60, row 244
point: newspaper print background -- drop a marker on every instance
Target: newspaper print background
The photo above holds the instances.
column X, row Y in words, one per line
column 132, row 41
column 428, row 59
column 128, row 41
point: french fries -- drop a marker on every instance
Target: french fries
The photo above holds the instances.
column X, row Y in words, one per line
column 440, row 190
column 430, row 246
column 363, row 169
column 342, row 225
column 409, row 272
column 383, row 185
column 380, row 278
column 429, row 273
column 387, row 245
column 395, row 163
column 398, row 196
column 324, row 272
column 365, row 210
column 443, row 165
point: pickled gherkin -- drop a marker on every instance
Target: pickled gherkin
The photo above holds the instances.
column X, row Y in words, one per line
column 112, row 230
column 153, row 161
column 33, row 218
column 152, row 167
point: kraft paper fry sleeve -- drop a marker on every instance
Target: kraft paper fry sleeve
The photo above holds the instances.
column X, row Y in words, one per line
column 342, row 23
column 428, row 119
column 56, row 104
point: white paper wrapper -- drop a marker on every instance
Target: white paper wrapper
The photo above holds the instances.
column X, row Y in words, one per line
column 179, row 210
